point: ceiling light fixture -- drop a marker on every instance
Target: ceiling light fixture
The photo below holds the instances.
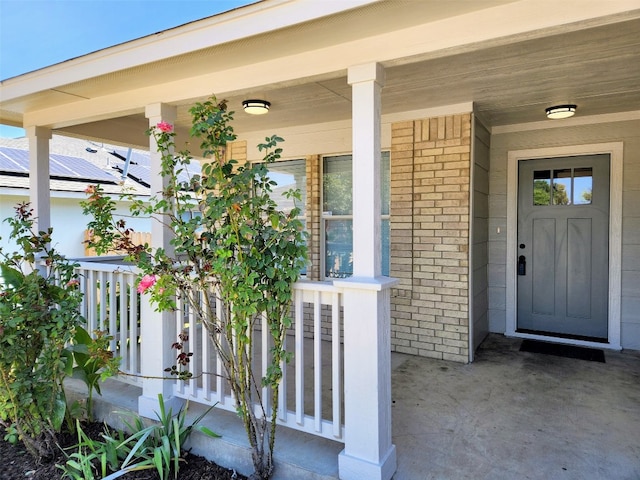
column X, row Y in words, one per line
column 256, row 107
column 560, row 111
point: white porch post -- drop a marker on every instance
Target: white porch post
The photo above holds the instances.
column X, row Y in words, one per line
column 368, row 453
column 157, row 329
column 39, row 185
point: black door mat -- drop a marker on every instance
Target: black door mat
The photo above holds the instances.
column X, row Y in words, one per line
column 559, row 350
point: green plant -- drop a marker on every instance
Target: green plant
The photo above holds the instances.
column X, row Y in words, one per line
column 39, row 311
column 157, row 446
column 168, row 437
column 238, row 246
column 111, row 457
column 93, row 361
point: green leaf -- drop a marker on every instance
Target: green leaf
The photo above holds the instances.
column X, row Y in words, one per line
column 11, row 276
column 59, row 410
column 207, row 432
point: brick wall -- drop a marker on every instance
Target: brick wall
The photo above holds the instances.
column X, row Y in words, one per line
column 430, row 176
column 313, row 215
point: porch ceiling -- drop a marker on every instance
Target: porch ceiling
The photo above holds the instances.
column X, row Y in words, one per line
column 512, row 79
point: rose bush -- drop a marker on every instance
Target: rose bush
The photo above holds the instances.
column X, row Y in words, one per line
column 230, row 242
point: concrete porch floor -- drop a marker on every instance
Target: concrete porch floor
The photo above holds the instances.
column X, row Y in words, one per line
column 509, row 415
column 516, row 415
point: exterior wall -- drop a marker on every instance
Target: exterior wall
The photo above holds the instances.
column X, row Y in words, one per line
column 479, row 237
column 501, row 143
column 430, row 177
column 67, row 220
column 430, row 205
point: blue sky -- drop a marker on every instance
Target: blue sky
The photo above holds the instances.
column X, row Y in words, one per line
column 38, row 33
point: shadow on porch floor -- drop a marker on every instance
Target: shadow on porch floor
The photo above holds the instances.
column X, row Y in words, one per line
column 508, row 415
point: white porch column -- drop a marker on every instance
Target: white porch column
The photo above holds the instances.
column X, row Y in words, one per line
column 368, row 453
column 158, row 329
column 39, row 185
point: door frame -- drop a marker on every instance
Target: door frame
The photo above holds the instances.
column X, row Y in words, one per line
column 615, row 152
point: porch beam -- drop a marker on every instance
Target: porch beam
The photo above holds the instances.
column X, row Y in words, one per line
column 39, row 185
column 368, row 453
column 158, row 329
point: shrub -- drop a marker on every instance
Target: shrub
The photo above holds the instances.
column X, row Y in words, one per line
column 39, row 310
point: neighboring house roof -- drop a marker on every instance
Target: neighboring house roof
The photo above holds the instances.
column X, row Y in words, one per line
column 75, row 163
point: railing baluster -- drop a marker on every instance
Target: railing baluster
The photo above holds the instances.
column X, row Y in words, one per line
column 265, row 360
column 102, row 318
column 113, row 312
column 133, row 315
column 317, row 360
column 124, row 352
column 336, row 363
column 179, row 386
column 299, row 356
column 206, row 358
column 92, row 323
column 220, row 385
column 194, row 336
column 82, row 277
column 282, row 392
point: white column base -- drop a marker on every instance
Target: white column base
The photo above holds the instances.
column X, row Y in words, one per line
column 352, row 468
column 368, row 452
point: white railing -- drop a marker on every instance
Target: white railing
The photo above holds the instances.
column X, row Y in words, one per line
column 311, row 392
column 310, row 396
column 112, row 304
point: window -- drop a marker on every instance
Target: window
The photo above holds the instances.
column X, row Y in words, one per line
column 567, row 186
column 337, row 215
column 289, row 174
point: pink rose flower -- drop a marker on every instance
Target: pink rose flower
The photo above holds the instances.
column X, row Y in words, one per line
column 165, row 127
column 91, row 189
column 146, row 282
column 73, row 283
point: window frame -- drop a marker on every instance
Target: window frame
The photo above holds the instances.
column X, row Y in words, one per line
column 324, row 218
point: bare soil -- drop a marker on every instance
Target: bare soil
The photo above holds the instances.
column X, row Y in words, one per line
column 16, row 463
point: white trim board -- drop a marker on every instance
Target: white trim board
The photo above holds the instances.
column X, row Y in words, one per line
column 615, row 150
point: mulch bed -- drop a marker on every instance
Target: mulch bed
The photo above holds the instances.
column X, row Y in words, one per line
column 17, row 463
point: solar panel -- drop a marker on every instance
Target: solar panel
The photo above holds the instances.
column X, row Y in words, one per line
column 140, row 167
column 136, row 157
column 13, row 160
column 75, row 167
column 140, row 174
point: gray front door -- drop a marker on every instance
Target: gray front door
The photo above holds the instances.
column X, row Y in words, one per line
column 563, row 246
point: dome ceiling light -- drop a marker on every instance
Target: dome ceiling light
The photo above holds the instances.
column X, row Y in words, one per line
column 256, row 107
column 561, row 111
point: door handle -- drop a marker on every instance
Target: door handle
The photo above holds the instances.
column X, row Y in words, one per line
column 522, row 265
